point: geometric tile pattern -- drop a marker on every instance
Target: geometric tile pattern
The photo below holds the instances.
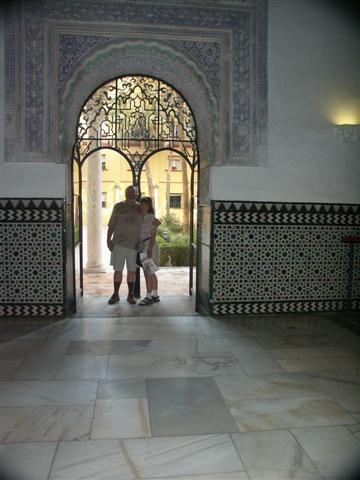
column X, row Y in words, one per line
column 31, row 257
column 272, row 258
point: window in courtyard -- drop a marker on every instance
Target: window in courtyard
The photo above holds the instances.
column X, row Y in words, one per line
column 103, row 162
column 175, row 200
column 175, row 164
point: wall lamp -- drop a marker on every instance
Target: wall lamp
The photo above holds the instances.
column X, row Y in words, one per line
column 348, row 133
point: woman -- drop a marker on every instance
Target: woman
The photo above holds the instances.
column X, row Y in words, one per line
column 151, row 248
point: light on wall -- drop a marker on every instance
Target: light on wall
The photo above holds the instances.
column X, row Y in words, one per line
column 347, row 122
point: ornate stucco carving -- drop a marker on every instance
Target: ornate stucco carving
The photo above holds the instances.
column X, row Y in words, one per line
column 47, row 41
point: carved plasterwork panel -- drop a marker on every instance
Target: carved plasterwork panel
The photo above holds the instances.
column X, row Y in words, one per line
column 48, row 42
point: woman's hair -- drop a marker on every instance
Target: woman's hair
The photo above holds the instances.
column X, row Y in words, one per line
column 149, row 203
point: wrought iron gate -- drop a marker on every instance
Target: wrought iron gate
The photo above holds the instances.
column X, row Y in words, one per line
column 136, row 116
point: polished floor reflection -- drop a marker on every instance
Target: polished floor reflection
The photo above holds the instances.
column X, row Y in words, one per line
column 181, row 398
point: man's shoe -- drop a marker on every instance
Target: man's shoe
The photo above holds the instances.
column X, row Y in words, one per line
column 131, row 300
column 113, row 299
column 155, row 299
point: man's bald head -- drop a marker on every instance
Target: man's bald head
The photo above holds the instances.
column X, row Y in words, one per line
column 130, row 193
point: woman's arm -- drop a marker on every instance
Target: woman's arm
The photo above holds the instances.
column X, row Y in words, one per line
column 152, row 242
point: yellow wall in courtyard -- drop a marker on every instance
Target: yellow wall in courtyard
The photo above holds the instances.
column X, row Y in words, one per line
column 117, row 176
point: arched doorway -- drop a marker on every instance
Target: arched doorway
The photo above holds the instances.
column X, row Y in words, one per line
column 138, row 117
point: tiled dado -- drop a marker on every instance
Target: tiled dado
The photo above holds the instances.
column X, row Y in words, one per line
column 282, row 257
column 31, row 257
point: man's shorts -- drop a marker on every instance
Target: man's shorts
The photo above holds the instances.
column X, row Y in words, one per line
column 118, row 256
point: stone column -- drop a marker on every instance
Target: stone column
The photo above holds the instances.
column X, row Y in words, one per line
column 94, row 262
column 156, row 199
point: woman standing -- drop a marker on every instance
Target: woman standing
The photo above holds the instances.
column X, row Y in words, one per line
column 151, row 248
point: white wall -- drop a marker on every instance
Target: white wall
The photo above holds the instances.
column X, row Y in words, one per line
column 314, row 82
column 32, row 179
column 2, row 100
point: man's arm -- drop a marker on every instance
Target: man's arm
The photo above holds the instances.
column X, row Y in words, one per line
column 108, row 237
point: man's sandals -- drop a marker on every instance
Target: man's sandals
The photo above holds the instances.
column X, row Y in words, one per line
column 131, row 300
column 113, row 299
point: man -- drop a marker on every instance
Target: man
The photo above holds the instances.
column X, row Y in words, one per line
column 122, row 236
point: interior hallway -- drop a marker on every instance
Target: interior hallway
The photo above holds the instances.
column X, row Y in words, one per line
column 181, row 397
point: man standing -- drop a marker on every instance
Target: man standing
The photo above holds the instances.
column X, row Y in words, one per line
column 122, row 236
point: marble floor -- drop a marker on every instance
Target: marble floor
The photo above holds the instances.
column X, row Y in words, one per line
column 180, row 398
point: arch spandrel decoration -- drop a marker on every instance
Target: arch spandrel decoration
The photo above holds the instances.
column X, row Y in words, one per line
column 136, row 115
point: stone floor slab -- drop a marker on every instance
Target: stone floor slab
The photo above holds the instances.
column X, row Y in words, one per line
column 304, row 364
column 267, row 386
column 277, row 413
column 121, row 418
column 307, row 352
column 36, row 393
column 83, row 367
column 42, row 362
column 216, row 366
column 117, row 389
column 44, row 424
column 171, row 331
column 91, row 460
column 274, row 455
column 212, row 476
column 187, row 406
column 103, row 347
column 343, row 386
column 348, row 361
column 334, row 450
column 271, row 342
column 27, row 460
column 156, row 458
column 158, row 371
column 254, row 360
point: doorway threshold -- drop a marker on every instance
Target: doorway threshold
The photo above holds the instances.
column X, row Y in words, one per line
column 170, row 305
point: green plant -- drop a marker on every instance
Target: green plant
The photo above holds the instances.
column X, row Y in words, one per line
column 176, row 255
column 171, row 223
column 175, row 251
